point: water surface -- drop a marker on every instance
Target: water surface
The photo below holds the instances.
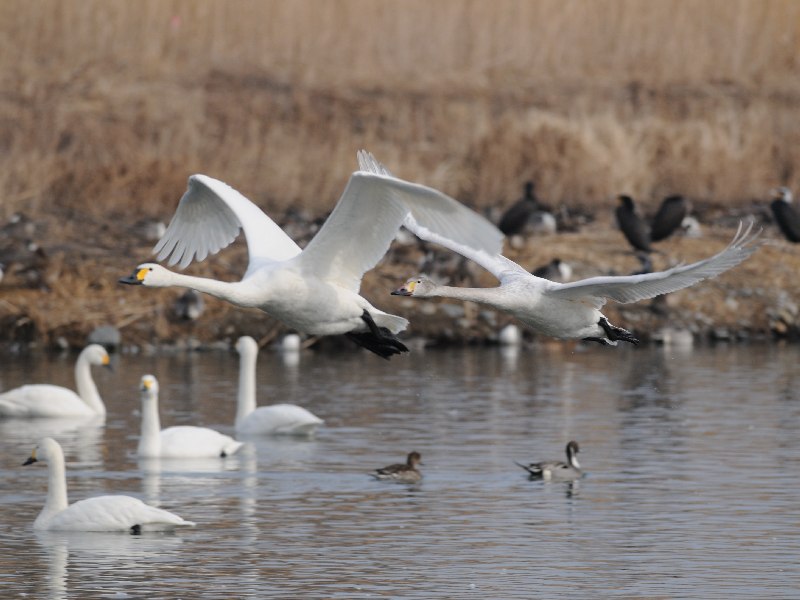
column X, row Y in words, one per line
column 692, row 491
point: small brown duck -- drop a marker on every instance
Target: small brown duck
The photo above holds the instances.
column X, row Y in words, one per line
column 403, row 473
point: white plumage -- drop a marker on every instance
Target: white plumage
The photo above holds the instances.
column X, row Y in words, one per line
column 274, row 419
column 315, row 290
column 48, row 401
column 572, row 310
column 101, row 513
column 183, row 441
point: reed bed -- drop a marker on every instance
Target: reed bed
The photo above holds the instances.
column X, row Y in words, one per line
column 108, row 105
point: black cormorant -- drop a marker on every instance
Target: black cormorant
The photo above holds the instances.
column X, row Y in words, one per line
column 516, row 217
column 632, row 225
column 785, row 214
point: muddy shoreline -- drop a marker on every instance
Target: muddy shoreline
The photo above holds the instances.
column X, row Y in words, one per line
column 74, row 292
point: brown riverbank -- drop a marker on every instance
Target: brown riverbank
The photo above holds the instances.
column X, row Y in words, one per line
column 75, row 290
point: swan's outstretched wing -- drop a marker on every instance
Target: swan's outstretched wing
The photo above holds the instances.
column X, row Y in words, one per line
column 497, row 264
column 632, row 288
column 209, row 217
column 372, row 208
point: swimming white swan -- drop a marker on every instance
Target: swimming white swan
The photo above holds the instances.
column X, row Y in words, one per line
column 402, row 472
column 274, row 419
column 183, row 441
column 557, row 470
column 45, row 400
column 572, row 310
column 101, row 513
column 316, row 290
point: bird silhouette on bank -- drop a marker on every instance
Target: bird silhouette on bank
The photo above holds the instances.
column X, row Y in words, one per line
column 786, row 216
column 638, row 232
column 518, row 214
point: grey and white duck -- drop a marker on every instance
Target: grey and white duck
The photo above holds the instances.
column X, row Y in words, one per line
column 557, row 470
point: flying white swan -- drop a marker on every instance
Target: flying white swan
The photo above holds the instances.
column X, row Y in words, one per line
column 572, row 310
column 557, row 470
column 183, row 441
column 315, row 290
column 274, row 419
column 101, row 513
column 45, row 400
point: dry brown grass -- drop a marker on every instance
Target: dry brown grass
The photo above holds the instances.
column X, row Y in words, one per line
column 106, row 102
column 106, row 106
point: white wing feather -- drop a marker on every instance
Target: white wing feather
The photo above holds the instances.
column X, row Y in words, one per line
column 497, row 264
column 113, row 513
column 365, row 221
column 42, row 400
column 186, row 441
column 208, row 218
column 633, row 288
column 280, row 419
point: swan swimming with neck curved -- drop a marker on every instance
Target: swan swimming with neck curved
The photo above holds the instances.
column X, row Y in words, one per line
column 182, row 441
column 42, row 400
column 288, row 419
column 572, row 310
column 100, row 513
column 314, row 290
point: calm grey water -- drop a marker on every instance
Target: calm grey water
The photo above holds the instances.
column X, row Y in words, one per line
column 692, row 489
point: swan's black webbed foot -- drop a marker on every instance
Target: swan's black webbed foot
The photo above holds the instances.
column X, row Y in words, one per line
column 379, row 340
column 617, row 333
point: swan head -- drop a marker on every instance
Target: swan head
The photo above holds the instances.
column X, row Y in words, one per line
column 419, row 287
column 414, row 459
column 149, row 274
column 96, row 355
column 148, row 386
column 246, row 344
column 782, row 193
column 46, row 449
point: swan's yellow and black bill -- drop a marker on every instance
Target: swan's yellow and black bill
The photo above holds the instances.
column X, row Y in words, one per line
column 31, row 459
column 406, row 290
column 135, row 279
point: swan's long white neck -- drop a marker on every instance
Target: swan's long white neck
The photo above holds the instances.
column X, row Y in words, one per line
column 246, row 397
column 480, row 295
column 87, row 389
column 56, row 489
column 150, row 438
column 225, row 290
